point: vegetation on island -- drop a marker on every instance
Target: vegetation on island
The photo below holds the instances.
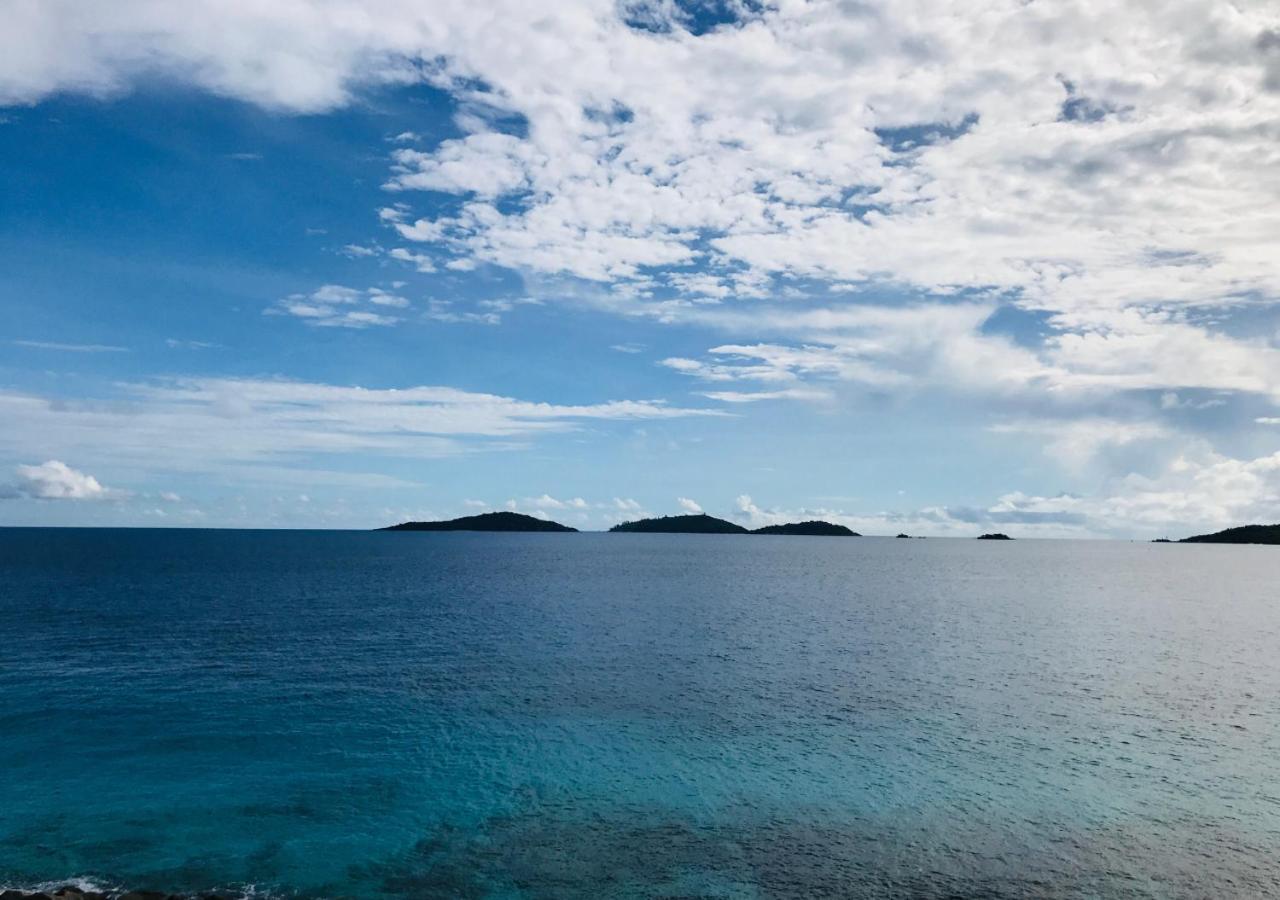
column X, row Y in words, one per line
column 994, row 536
column 694, row 524
column 492, row 521
column 1244, row 534
column 813, row 528
column 702, row 523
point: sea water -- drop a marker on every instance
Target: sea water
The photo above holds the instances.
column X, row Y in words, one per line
column 325, row 714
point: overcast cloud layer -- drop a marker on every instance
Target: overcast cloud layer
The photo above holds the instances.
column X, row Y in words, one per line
column 1065, row 215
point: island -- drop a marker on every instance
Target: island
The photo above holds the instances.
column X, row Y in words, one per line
column 695, row 524
column 1244, row 534
column 994, row 536
column 492, row 521
column 902, row 535
column 812, row 528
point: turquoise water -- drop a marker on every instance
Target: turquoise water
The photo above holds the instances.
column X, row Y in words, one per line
column 459, row 715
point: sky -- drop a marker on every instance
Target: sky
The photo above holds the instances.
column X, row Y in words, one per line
column 910, row 266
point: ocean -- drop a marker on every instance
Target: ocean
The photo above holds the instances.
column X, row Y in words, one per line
column 387, row 715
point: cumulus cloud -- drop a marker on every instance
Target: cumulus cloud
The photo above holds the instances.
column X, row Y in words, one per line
column 689, row 506
column 55, row 480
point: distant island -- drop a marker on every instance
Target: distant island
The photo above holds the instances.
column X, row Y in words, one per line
column 492, row 521
column 705, row 524
column 696, row 524
column 902, row 535
column 813, row 528
column 1245, row 534
column 994, row 536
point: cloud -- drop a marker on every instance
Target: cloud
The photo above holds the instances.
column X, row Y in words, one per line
column 442, row 311
column 757, row 396
column 689, row 506
column 546, row 503
column 71, row 348
column 854, row 199
column 1199, row 490
column 255, row 428
column 1076, row 442
column 869, row 151
column 420, row 261
column 55, row 480
column 336, row 306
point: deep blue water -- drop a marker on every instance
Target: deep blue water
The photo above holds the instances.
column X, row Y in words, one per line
column 461, row 715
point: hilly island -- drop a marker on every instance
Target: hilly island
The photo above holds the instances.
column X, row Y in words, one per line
column 1245, row 534
column 705, row 524
column 692, row 524
column 491, row 521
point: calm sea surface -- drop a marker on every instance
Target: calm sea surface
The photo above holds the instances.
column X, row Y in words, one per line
column 464, row 715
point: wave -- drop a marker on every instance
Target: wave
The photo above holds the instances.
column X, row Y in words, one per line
column 84, row 887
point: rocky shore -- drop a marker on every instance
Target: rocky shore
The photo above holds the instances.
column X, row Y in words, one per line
column 72, row 892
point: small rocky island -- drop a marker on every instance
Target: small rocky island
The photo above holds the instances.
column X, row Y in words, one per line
column 994, row 536
column 1245, row 534
column 812, row 528
column 492, row 521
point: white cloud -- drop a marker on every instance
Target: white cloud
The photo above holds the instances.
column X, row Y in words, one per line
column 689, row 506
column 920, row 167
column 757, row 396
column 1199, row 490
column 420, row 261
column 55, row 480
column 71, row 348
column 442, row 311
column 336, row 306
column 260, row 428
column 1076, row 442
column 1102, row 184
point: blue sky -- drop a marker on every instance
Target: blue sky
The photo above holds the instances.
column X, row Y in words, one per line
column 342, row 264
